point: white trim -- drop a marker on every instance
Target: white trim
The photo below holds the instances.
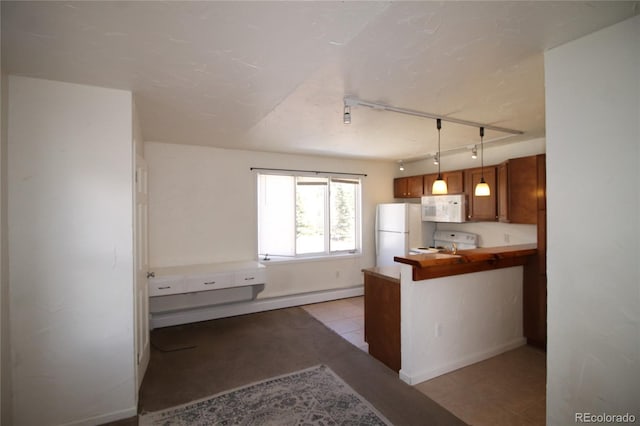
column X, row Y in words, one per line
column 413, row 379
column 280, row 260
column 228, row 310
column 106, row 418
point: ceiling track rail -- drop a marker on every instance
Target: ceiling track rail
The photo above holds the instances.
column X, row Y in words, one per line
column 353, row 101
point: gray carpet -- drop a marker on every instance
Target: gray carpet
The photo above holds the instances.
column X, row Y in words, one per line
column 315, row 396
column 197, row 360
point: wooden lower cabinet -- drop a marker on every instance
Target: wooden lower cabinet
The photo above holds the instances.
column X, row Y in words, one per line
column 534, row 304
column 382, row 319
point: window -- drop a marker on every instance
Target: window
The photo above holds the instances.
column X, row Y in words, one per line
column 301, row 215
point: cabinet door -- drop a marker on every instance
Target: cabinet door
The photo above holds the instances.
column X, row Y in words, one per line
column 542, row 215
column 427, row 181
column 534, row 306
column 455, row 181
column 523, row 190
column 503, row 192
column 400, row 188
column 414, row 186
column 481, row 208
column 382, row 319
column 407, row 187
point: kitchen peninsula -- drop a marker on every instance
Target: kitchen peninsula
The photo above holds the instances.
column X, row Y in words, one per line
column 434, row 313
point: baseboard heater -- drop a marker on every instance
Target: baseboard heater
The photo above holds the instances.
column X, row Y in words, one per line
column 204, row 313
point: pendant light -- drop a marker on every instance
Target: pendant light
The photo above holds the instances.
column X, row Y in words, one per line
column 482, row 188
column 439, row 186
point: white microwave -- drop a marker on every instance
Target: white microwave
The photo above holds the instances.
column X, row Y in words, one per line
column 444, row 208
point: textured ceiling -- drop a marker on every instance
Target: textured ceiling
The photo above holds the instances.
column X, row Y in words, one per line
column 271, row 76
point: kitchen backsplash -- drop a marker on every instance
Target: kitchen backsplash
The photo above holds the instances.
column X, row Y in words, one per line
column 492, row 234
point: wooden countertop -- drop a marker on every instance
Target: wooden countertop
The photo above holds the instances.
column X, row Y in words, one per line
column 437, row 265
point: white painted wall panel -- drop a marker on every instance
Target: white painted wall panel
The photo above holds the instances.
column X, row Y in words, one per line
column 593, row 208
column 71, row 262
column 450, row 322
column 5, row 342
column 203, row 209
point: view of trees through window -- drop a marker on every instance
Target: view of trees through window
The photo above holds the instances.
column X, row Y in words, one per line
column 343, row 214
column 324, row 219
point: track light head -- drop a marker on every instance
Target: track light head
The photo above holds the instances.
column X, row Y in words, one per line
column 474, row 152
column 346, row 117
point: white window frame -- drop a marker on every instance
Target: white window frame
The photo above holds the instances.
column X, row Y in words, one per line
column 327, row 219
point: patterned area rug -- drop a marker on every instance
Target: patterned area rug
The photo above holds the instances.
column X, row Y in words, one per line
column 315, row 396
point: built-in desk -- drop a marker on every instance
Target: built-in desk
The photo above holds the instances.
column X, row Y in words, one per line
column 182, row 294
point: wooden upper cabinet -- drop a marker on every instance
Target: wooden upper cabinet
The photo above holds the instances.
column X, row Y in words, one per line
column 455, row 182
column 481, row 208
column 400, row 188
column 503, row 192
column 428, row 182
column 414, row 185
column 407, row 187
column 518, row 190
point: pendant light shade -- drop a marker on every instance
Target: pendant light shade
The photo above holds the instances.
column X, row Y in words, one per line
column 482, row 188
column 439, row 185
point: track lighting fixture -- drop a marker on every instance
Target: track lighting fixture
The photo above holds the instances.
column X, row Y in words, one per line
column 439, row 185
column 401, row 166
column 346, row 117
column 350, row 101
column 482, row 188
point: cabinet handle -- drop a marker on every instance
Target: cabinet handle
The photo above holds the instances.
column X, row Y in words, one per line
column 249, row 278
column 164, row 288
column 210, row 283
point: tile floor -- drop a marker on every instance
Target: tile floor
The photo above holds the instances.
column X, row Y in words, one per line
column 344, row 316
column 509, row 389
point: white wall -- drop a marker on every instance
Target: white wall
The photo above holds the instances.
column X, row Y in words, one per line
column 138, row 138
column 71, row 262
column 5, row 349
column 490, row 234
column 202, row 209
column 451, row 322
column 593, row 197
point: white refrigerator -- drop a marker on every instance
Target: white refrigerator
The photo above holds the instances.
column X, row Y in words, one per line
column 399, row 227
